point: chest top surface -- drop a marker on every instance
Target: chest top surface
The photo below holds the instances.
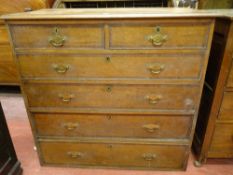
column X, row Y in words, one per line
column 118, row 13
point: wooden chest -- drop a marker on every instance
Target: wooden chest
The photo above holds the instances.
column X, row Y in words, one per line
column 8, row 71
column 214, row 132
column 112, row 88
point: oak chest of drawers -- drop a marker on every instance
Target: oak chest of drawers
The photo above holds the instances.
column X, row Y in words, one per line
column 214, row 132
column 112, row 88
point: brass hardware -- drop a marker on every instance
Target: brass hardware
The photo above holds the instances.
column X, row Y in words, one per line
column 109, row 88
column 109, row 117
column 61, row 69
column 71, row 126
column 110, row 146
column 57, row 40
column 157, row 39
column 151, row 127
column 66, row 97
column 149, row 156
column 156, row 68
column 108, row 59
column 153, row 99
column 75, row 154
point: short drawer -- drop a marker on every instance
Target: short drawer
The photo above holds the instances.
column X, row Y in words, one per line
column 57, row 36
column 111, row 66
column 134, row 126
column 222, row 142
column 226, row 110
column 230, row 78
column 114, row 155
column 112, row 96
column 159, row 35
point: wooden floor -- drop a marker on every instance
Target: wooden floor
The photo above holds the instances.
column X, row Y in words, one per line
column 15, row 113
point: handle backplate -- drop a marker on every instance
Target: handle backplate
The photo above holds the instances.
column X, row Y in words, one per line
column 75, row 154
column 149, row 156
column 157, row 39
column 153, row 99
column 71, row 126
column 151, row 127
column 61, row 69
column 57, row 40
column 156, row 68
column 66, row 98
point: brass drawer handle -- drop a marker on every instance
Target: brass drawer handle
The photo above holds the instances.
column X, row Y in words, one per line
column 66, row 97
column 157, row 39
column 71, row 126
column 75, row 154
column 154, row 99
column 57, row 40
column 61, row 69
column 156, row 68
column 149, row 156
column 151, row 127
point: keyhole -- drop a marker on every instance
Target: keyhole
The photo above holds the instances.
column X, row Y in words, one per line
column 158, row 29
column 109, row 89
column 108, row 59
column 109, row 117
column 109, row 146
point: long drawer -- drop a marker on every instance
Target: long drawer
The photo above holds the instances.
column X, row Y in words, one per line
column 58, row 36
column 134, row 126
column 114, row 154
column 222, row 142
column 111, row 66
column 226, row 109
column 112, row 96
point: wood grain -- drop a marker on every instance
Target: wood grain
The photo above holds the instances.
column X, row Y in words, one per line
column 180, row 66
column 94, row 81
column 112, row 96
column 114, row 155
column 110, row 125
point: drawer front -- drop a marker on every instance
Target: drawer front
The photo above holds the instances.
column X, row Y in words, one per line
column 114, row 155
column 159, row 35
column 112, row 96
column 230, row 78
column 222, row 142
column 136, row 126
column 3, row 34
column 58, row 36
column 226, row 110
column 111, row 66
